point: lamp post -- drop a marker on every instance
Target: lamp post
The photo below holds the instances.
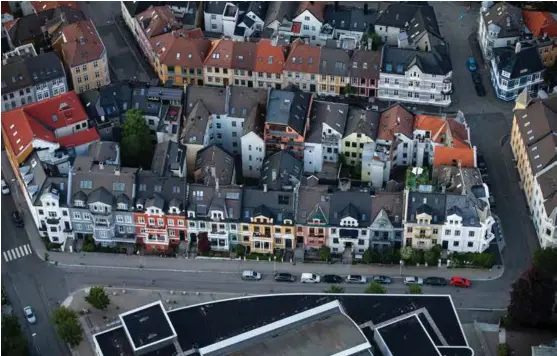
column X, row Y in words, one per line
column 274, row 264
column 401, row 264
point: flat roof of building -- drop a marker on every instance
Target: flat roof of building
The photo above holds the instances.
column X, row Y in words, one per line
column 404, row 336
column 147, row 325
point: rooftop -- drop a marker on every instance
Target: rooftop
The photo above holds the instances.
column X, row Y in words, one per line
column 289, row 107
column 519, row 61
column 82, row 44
column 414, row 334
column 332, row 114
column 212, row 163
column 505, row 19
column 281, row 171
column 432, row 204
column 364, row 122
column 437, row 61
column 395, row 120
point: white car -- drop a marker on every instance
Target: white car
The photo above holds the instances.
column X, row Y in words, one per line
column 353, row 278
column 29, row 315
column 5, row 188
column 413, row 280
column 310, row 278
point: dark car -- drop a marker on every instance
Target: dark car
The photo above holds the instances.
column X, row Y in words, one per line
column 435, row 281
column 18, row 221
column 284, row 277
column 383, row 279
column 332, row 278
column 476, row 78
column 481, row 163
column 480, row 89
column 486, row 180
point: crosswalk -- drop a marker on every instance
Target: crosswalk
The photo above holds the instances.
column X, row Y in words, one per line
column 17, row 252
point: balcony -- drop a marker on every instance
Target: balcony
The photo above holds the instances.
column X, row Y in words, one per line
column 218, row 234
column 53, row 221
column 68, row 230
column 266, row 235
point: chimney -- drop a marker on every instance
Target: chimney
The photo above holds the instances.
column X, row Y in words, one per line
column 117, row 171
column 101, row 165
column 217, row 185
column 366, row 8
column 274, row 175
column 518, row 47
column 265, row 188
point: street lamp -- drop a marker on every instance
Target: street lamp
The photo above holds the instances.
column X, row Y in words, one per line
column 401, row 264
column 274, row 264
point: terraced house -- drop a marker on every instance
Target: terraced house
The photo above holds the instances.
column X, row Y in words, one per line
column 312, row 215
column 243, row 63
column 302, row 66
column 334, row 71
column 151, row 24
column 217, row 68
column 268, row 65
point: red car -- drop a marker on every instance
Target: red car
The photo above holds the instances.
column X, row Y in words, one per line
column 459, row 282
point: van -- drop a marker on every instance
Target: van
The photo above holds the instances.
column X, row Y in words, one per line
column 310, row 278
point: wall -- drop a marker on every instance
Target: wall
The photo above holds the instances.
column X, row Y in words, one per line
column 257, row 153
column 84, row 77
column 17, row 98
column 313, row 157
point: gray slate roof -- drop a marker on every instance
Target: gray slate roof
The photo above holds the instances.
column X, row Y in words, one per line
column 102, row 151
column 313, row 202
column 462, row 206
column 279, row 10
column 228, row 199
column 284, row 168
column 289, row 106
column 44, row 67
column 430, row 203
column 398, row 60
column 55, row 186
column 14, row 77
column 214, row 157
column 505, row 16
column 523, row 63
column 391, row 203
column 101, row 195
column 323, row 112
column 278, row 204
column 168, row 156
column 242, row 100
column 349, row 18
column 354, row 203
column 365, row 122
column 335, row 61
column 402, row 14
column 157, row 191
column 213, row 98
column 195, row 124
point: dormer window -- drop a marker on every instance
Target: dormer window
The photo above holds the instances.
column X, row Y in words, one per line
column 122, row 206
column 139, row 206
column 191, row 214
column 78, row 203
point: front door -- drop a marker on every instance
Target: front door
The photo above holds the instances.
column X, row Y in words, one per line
column 193, row 237
column 445, row 245
column 288, row 243
column 182, row 236
column 409, row 242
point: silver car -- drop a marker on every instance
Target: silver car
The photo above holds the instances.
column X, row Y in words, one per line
column 29, row 315
column 251, row 276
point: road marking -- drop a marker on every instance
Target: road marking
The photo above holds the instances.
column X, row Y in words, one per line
column 16, row 252
column 21, row 250
column 6, row 257
column 11, row 255
column 28, row 249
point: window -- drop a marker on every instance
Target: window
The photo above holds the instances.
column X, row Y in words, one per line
column 160, row 221
column 470, row 244
column 335, row 240
column 41, row 212
column 180, row 222
column 76, row 215
column 447, row 232
column 471, row 233
column 456, row 243
column 119, row 218
column 409, row 229
column 457, row 232
column 361, row 242
column 435, row 231
column 141, row 220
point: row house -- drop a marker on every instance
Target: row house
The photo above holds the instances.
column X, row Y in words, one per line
column 386, row 228
column 312, row 216
column 334, row 71
column 216, row 212
column 346, row 24
column 269, row 62
column 361, row 128
column 161, row 109
column 152, row 23
column 542, row 26
column 302, row 66
column 30, row 78
column 323, row 142
column 500, row 26
column 217, row 67
column 243, row 63
column 364, row 74
column 178, row 57
column 267, row 220
column 85, row 56
column 457, row 222
column 252, row 143
column 515, row 69
column 281, row 171
column 533, row 145
column 101, row 201
column 130, row 9
column 287, row 120
column 221, row 17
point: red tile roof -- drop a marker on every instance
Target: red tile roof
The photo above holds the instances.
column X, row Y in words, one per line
column 540, row 22
column 82, row 43
column 395, row 120
column 221, row 54
column 270, row 59
column 447, row 156
column 79, row 138
column 296, row 27
column 309, row 56
column 317, row 8
column 5, row 6
column 157, row 20
column 41, row 119
column 173, row 49
column 47, row 5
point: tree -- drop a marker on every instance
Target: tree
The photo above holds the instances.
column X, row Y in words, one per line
column 240, row 250
column 406, row 253
column 13, row 341
column 335, row 289
column 325, row 253
column 545, row 261
column 375, row 41
column 68, row 326
column 532, row 299
column 98, row 298
column 137, row 144
column 203, row 244
column 375, row 288
column 414, row 289
column 417, row 257
column 432, row 255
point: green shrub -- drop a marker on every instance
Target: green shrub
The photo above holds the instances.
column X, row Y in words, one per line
column 473, row 259
column 502, row 350
column 240, row 250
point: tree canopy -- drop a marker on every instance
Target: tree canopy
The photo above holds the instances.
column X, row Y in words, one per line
column 325, row 253
column 137, row 143
column 375, row 288
column 13, row 341
column 335, row 289
column 414, row 289
column 545, row 261
column 98, row 298
column 68, row 326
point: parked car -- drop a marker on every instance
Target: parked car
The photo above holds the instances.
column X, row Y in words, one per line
column 460, row 282
column 476, row 78
column 480, row 89
column 5, row 188
column 413, row 280
column 251, row 275
column 310, row 278
column 332, row 278
column 353, row 278
column 284, row 277
column 435, row 281
column 16, row 217
column 29, row 315
column 472, row 64
column 382, row 279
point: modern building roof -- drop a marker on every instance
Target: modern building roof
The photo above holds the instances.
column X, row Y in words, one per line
column 213, row 162
column 349, row 18
column 82, row 44
column 416, row 337
column 364, row 122
column 269, row 58
column 335, row 62
column 365, row 64
column 330, row 113
column 540, row 23
column 304, row 58
column 200, row 326
column 433, row 204
column 281, row 171
column 437, row 61
column 505, row 18
column 520, row 61
column 221, row 54
column 289, row 106
column 390, row 204
column 448, row 156
column 395, row 120
column 175, row 49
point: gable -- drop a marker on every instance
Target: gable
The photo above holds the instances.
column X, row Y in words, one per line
column 382, row 220
column 317, row 214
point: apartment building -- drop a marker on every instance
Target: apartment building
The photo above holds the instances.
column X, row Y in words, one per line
column 386, row 228
column 130, row 9
column 84, row 56
column 252, row 143
column 151, row 24
column 514, row 69
column 281, row 171
column 267, row 221
column 533, row 145
column 302, row 66
column 221, row 17
column 243, row 64
column 424, row 216
column 217, row 68
column 312, row 216
column 53, row 212
column 500, row 26
column 323, row 142
column 287, row 120
column 346, row 24
column 364, row 73
column 309, row 15
column 268, row 65
column 334, row 71
column 215, row 211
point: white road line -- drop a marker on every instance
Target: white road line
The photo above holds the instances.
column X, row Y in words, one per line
column 10, row 254
column 28, row 249
column 6, row 257
column 15, row 252
column 21, row 250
